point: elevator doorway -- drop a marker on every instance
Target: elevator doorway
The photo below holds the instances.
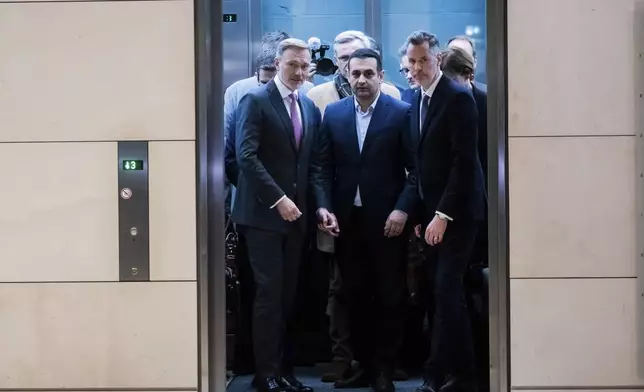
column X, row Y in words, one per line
column 211, row 83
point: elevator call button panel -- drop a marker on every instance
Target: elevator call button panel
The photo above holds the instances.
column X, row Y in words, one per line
column 134, row 211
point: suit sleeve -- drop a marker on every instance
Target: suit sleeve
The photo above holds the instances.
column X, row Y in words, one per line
column 408, row 200
column 321, row 171
column 464, row 144
column 247, row 143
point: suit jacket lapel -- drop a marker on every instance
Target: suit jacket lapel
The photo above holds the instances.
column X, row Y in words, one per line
column 278, row 104
column 434, row 103
column 415, row 118
column 351, row 126
column 305, row 116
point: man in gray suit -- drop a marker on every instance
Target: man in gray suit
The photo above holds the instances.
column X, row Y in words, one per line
column 276, row 136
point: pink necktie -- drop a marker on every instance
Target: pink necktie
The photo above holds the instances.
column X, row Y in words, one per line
column 295, row 119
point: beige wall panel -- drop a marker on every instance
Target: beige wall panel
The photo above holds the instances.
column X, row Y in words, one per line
column 173, row 236
column 572, row 207
column 58, row 212
column 575, row 332
column 560, row 82
column 98, row 335
column 115, row 70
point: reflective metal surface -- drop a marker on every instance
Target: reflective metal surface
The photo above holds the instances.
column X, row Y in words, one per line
column 498, row 217
column 373, row 19
column 210, row 194
column 236, row 48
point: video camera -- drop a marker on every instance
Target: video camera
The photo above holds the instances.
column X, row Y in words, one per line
column 324, row 66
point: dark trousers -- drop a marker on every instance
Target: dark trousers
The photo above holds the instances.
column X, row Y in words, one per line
column 338, row 312
column 452, row 350
column 275, row 259
column 244, row 357
column 373, row 285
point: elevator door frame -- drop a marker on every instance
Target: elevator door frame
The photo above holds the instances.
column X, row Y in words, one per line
column 208, row 18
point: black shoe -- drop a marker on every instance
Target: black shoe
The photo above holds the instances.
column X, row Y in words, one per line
column 383, row 383
column 428, row 386
column 290, row 383
column 359, row 379
column 270, row 384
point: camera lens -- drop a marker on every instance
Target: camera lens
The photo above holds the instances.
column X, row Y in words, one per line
column 325, row 67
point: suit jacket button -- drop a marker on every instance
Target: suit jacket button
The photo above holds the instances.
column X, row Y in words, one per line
column 294, row 186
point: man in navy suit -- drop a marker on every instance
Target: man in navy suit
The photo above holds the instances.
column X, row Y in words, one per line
column 450, row 183
column 368, row 147
column 276, row 133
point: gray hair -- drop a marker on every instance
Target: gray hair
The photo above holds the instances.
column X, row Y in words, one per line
column 419, row 37
column 291, row 43
column 402, row 51
column 373, row 44
column 349, row 36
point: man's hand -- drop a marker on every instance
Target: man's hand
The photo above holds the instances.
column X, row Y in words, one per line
column 328, row 222
column 395, row 223
column 313, row 67
column 417, row 231
column 435, row 231
column 288, row 210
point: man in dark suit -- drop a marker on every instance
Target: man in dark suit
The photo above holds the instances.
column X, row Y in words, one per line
column 276, row 134
column 367, row 142
column 450, row 184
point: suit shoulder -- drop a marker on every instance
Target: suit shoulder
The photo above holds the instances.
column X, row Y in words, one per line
column 399, row 105
column 308, row 101
column 336, row 105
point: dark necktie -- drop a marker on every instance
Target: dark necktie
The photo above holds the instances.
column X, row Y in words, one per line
column 424, row 108
column 295, row 119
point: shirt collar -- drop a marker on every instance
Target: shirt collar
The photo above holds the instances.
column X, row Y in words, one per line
column 281, row 87
column 371, row 107
column 432, row 87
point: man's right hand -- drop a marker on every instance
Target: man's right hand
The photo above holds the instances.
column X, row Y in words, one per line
column 288, row 210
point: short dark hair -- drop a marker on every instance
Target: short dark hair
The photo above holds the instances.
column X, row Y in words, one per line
column 366, row 53
column 274, row 37
column 266, row 61
column 419, row 37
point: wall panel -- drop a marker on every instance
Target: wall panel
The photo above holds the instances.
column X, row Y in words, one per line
column 575, row 332
column 58, row 212
column 98, row 335
column 569, row 62
column 87, row 71
column 572, row 207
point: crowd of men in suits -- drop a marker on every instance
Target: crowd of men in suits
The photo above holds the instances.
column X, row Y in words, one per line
column 360, row 167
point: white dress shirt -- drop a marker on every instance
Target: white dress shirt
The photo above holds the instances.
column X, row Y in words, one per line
column 363, row 119
column 285, row 92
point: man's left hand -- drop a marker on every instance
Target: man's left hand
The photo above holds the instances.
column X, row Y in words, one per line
column 435, row 231
column 395, row 223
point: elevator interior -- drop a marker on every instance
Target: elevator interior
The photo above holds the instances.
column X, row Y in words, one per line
column 243, row 23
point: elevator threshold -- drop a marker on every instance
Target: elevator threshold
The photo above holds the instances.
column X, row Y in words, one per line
column 311, row 376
